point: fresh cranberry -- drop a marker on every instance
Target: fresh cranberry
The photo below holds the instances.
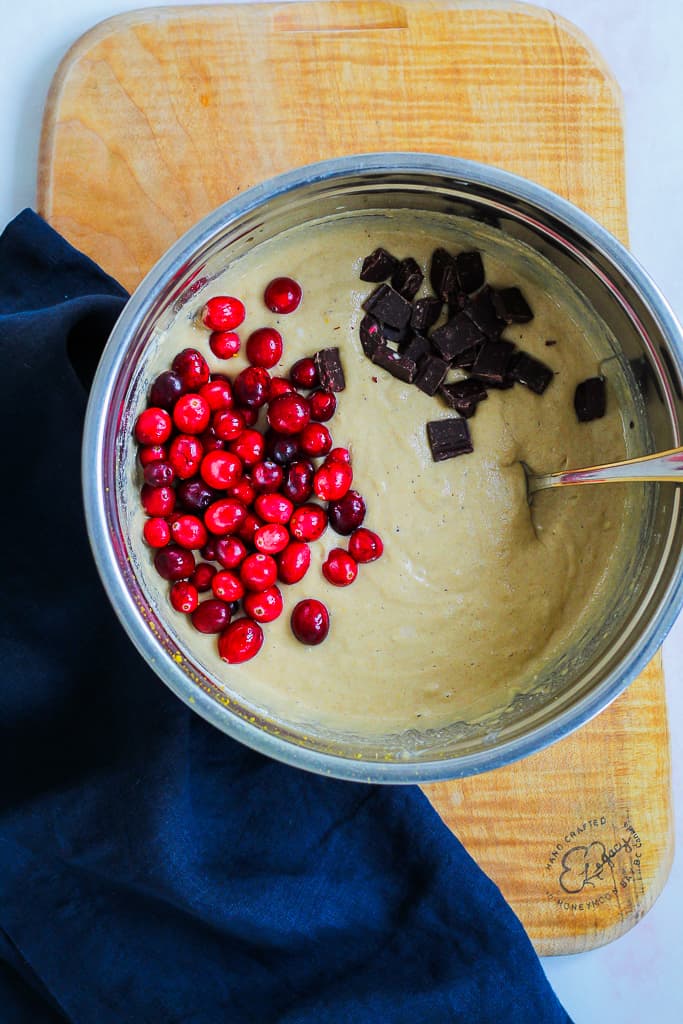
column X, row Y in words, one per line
column 211, row 616
column 152, row 453
column 211, row 442
column 282, row 295
column 166, row 389
column 202, row 576
column 158, row 473
column 266, row 476
column 247, row 531
column 281, row 448
column 250, row 416
column 339, row 455
column 174, row 563
column 347, row 514
column 293, row 562
column 185, row 454
column 264, row 347
column 192, row 368
column 288, row 414
column 223, row 313
column 298, row 482
column 220, row 469
column 310, row 621
column 194, row 495
column 208, row 552
column 224, row 344
column 332, row 481
column 184, row 597
column 339, row 568
column 156, row 532
column 308, row 522
column 227, row 586
column 157, row 501
column 274, row 508
column 258, row 571
column 249, row 446
column 153, row 426
column 243, row 491
column 279, row 386
column 241, row 641
column 264, row 605
column 323, row 405
column 218, row 393
column 225, row 516
column 228, row 424
column 230, row 551
column 314, row 440
column 271, row 539
column 304, row 373
column 365, row 546
column 191, row 414
column 251, row 387
column 188, row 531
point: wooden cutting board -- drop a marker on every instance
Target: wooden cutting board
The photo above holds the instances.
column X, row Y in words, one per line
column 154, row 118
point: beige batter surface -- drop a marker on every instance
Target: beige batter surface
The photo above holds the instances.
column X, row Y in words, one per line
column 476, row 595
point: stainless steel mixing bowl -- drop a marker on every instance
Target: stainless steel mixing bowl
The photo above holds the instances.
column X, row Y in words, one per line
column 650, row 343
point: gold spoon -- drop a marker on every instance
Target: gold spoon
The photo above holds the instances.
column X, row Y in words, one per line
column 665, row 466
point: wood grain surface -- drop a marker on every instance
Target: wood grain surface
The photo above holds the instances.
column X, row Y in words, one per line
column 156, row 117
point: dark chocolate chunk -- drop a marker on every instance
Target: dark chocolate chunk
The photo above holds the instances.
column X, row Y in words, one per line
column 458, row 334
column 417, row 348
column 492, row 362
column 388, row 306
column 396, row 363
column 370, row 331
column 590, row 399
column 378, row 266
column 330, row 370
column 470, row 271
column 464, row 395
column 550, row 342
column 443, row 274
column 457, row 302
column 448, row 438
column 534, row 374
column 465, row 360
column 425, row 313
column 431, row 375
column 394, row 335
column 482, row 312
column 407, row 278
column 511, row 306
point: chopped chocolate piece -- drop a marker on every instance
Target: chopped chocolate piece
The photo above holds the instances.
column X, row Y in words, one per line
column 482, row 312
column 431, row 375
column 448, row 438
column 330, row 370
column 465, row 360
column 370, row 331
column 457, row 302
column 511, row 306
column 464, row 395
column 425, row 313
column 417, row 348
column 590, row 399
column 394, row 335
column 531, row 372
column 443, row 274
column 388, row 306
column 470, row 271
column 492, row 362
column 378, row 266
column 396, row 363
column 458, row 334
column 551, row 342
column 407, row 278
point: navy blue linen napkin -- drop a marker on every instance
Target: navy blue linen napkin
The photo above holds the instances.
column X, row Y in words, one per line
column 151, row 869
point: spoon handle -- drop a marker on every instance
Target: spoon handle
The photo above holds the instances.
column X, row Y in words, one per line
column 666, row 466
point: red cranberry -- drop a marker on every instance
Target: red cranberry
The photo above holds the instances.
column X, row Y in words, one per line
column 274, row 508
column 315, row 440
column 304, row 373
column 158, row 473
column 264, row 347
column 192, row 368
column 224, row 344
column 240, row 641
column 153, row 426
column 258, row 571
column 225, row 516
column 152, row 453
column 194, row 495
column 282, row 295
column 188, row 531
column 347, row 514
column 243, row 491
column 298, row 482
column 280, row 448
column 247, row 530
column 223, row 313
column 249, row 446
column 271, row 539
column 228, row 424
column 191, row 414
column 174, row 563
column 211, row 442
column 157, row 501
column 220, row 469
column 218, row 394
column 230, row 551
column 227, row 586
column 288, row 414
column 279, row 386
column 365, row 546
column 202, row 576
column 310, row 621
column 185, row 454
column 250, row 416
column 156, row 532
column 208, row 552
column 323, row 405
column 339, row 455
column 339, row 568
column 293, row 562
column 332, row 480
column 264, row 606
column 184, row 597
column 266, row 477
column 251, row 387
column 211, row 616
column 308, row 522
column 166, row 389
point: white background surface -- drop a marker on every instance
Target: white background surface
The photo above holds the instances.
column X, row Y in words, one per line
column 638, row 978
